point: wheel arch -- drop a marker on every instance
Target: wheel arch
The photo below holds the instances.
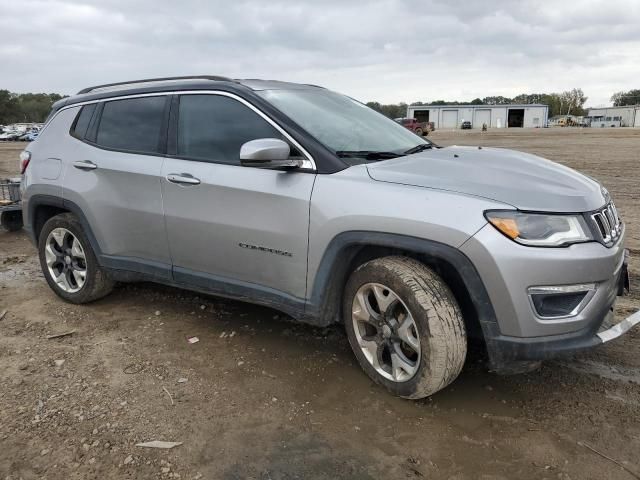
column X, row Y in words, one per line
column 43, row 207
column 349, row 250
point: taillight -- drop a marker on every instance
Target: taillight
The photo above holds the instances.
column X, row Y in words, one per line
column 25, row 158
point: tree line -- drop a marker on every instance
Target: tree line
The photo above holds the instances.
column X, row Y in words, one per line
column 25, row 107
column 632, row 97
column 570, row 102
column 34, row 107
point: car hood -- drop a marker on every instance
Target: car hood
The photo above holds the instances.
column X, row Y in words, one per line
column 526, row 181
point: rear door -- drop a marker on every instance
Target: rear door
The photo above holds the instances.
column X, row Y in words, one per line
column 113, row 175
column 233, row 229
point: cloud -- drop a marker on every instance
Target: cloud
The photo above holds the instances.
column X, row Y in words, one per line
column 385, row 50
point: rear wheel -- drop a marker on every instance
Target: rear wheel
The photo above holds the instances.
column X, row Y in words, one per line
column 404, row 326
column 419, row 132
column 69, row 263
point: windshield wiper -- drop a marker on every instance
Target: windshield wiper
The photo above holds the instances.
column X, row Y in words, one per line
column 367, row 154
column 419, row 148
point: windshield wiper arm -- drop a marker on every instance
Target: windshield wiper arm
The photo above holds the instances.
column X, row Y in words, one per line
column 419, row 148
column 367, row 154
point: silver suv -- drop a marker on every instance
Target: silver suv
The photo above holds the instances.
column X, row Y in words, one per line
column 304, row 200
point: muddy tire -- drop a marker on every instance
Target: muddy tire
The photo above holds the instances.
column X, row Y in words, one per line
column 68, row 262
column 419, row 132
column 404, row 326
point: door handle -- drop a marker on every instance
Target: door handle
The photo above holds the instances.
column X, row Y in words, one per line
column 183, row 178
column 85, row 165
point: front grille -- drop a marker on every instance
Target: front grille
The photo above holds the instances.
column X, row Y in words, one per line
column 608, row 224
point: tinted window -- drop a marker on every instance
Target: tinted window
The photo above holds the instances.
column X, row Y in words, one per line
column 82, row 122
column 132, row 124
column 214, row 127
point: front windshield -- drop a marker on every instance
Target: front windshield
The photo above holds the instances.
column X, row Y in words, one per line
column 341, row 123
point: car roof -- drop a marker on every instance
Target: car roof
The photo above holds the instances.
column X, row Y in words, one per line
column 258, row 84
column 166, row 84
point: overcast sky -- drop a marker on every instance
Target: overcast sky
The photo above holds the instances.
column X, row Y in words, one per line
column 389, row 51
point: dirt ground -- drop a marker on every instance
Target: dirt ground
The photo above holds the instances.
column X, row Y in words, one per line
column 260, row 397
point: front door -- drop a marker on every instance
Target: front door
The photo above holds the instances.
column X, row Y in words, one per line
column 233, row 229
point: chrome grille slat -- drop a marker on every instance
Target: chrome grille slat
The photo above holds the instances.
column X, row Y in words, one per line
column 609, row 215
column 607, row 223
column 615, row 212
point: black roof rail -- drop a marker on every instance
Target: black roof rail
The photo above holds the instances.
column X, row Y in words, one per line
column 161, row 79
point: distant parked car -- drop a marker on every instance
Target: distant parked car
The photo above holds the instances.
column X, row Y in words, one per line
column 412, row 124
column 466, row 125
column 11, row 135
column 29, row 137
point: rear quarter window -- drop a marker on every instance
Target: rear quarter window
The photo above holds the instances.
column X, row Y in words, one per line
column 81, row 123
column 133, row 124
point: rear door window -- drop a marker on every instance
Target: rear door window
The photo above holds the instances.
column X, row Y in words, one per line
column 133, row 124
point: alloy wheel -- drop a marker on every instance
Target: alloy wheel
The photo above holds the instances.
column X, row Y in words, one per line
column 66, row 260
column 386, row 332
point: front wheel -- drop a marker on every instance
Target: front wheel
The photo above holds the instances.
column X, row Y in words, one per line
column 68, row 262
column 404, row 326
column 419, row 132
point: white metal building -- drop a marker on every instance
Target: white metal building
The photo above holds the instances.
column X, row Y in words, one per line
column 627, row 116
column 494, row 116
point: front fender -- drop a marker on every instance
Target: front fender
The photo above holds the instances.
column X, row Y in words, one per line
column 336, row 262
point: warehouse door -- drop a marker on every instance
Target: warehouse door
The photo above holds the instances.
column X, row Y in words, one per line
column 515, row 118
column 637, row 121
column 449, row 119
column 482, row 116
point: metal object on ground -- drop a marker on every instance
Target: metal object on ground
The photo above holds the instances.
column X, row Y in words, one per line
column 10, row 205
column 623, row 327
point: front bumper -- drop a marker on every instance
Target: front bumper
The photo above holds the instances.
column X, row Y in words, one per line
column 506, row 351
column 508, row 270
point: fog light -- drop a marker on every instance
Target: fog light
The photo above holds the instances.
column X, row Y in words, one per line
column 552, row 302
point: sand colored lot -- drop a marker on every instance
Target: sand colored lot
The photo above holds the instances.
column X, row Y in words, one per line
column 260, row 397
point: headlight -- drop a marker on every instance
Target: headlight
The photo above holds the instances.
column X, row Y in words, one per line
column 539, row 229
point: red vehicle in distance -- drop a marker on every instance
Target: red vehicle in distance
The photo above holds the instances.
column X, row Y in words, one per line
column 419, row 128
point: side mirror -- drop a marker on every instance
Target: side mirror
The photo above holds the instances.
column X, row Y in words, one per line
column 268, row 153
